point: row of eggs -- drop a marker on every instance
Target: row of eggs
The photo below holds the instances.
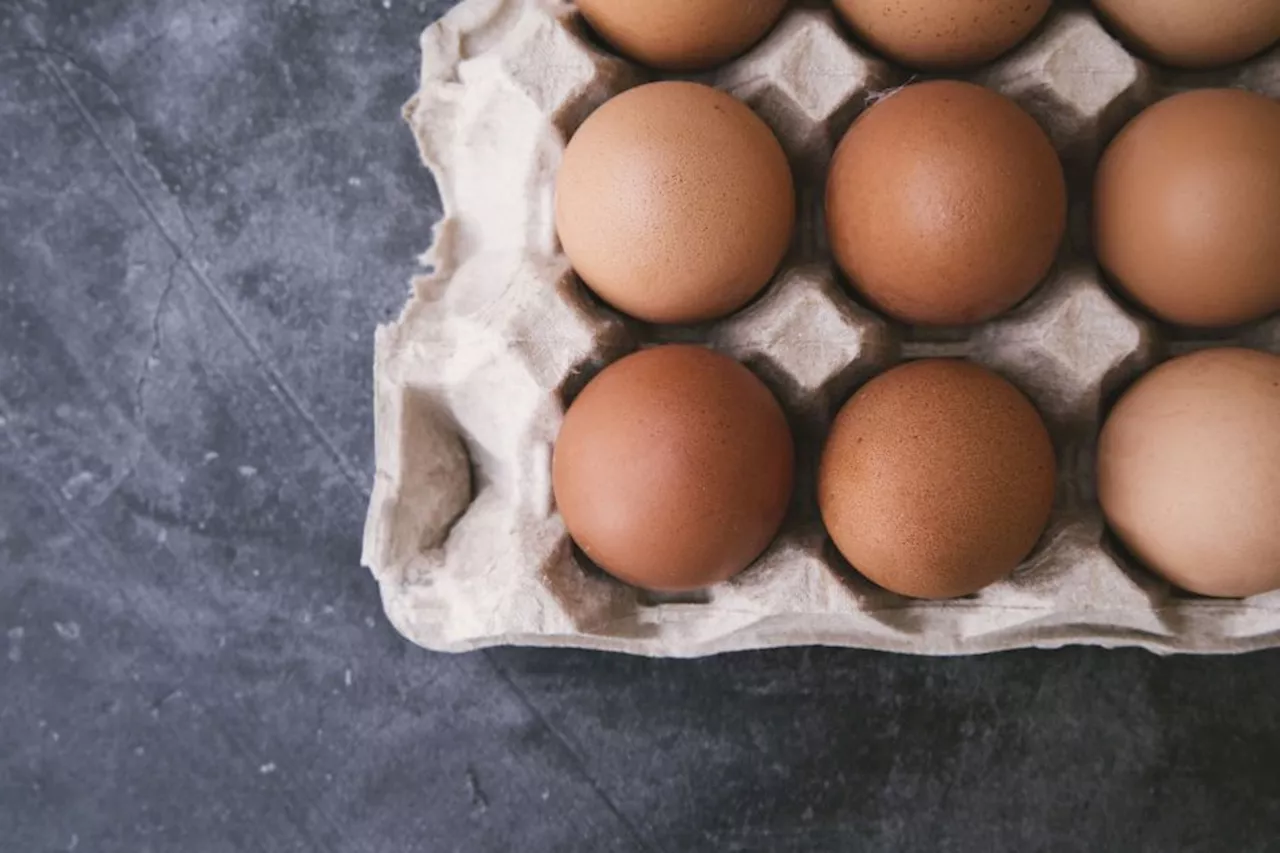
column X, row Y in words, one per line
column 690, row 35
column 674, row 469
column 945, row 204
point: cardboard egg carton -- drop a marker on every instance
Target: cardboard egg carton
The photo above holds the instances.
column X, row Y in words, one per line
column 472, row 380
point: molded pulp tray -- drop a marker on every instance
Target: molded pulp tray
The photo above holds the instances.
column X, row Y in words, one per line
column 471, row 382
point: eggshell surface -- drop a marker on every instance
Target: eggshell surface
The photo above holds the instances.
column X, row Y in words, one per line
column 674, row 468
column 1187, row 208
column 945, row 204
column 942, row 34
column 1194, row 33
column 937, row 478
column 675, row 203
column 681, row 35
column 1189, row 471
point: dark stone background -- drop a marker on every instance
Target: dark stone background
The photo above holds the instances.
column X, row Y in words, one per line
column 205, row 208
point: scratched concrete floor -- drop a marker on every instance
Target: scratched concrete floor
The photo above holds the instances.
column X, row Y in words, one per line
column 205, row 208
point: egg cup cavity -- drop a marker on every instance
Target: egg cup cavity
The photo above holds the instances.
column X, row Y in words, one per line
column 424, row 480
column 472, row 381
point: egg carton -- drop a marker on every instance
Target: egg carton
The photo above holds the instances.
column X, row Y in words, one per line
column 472, row 381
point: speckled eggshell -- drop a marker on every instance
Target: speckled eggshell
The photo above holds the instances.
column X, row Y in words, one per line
column 673, row 468
column 1194, row 33
column 937, row 478
column 945, row 204
column 1189, row 471
column 675, row 202
column 681, row 35
column 1187, row 208
column 942, row 34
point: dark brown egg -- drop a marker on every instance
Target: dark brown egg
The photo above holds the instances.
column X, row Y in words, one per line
column 681, row 35
column 1194, row 33
column 937, row 478
column 673, row 468
column 945, row 204
column 675, row 203
column 1187, row 208
column 942, row 34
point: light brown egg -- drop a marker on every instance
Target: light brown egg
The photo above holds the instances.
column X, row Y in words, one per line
column 675, row 203
column 1187, row 208
column 673, row 468
column 937, row 478
column 945, row 204
column 942, row 34
column 1194, row 33
column 1189, row 471
column 682, row 35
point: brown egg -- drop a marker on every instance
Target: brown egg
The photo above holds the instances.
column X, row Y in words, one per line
column 675, row 203
column 937, row 478
column 682, row 35
column 1194, row 33
column 945, row 204
column 673, row 468
column 1189, row 471
column 1187, row 208
column 942, row 34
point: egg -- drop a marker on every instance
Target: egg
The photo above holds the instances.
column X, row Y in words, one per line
column 1189, row 471
column 673, row 468
column 682, row 35
column 1186, row 214
column 937, row 478
column 945, row 204
column 1194, row 33
column 942, row 34
column 675, row 203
